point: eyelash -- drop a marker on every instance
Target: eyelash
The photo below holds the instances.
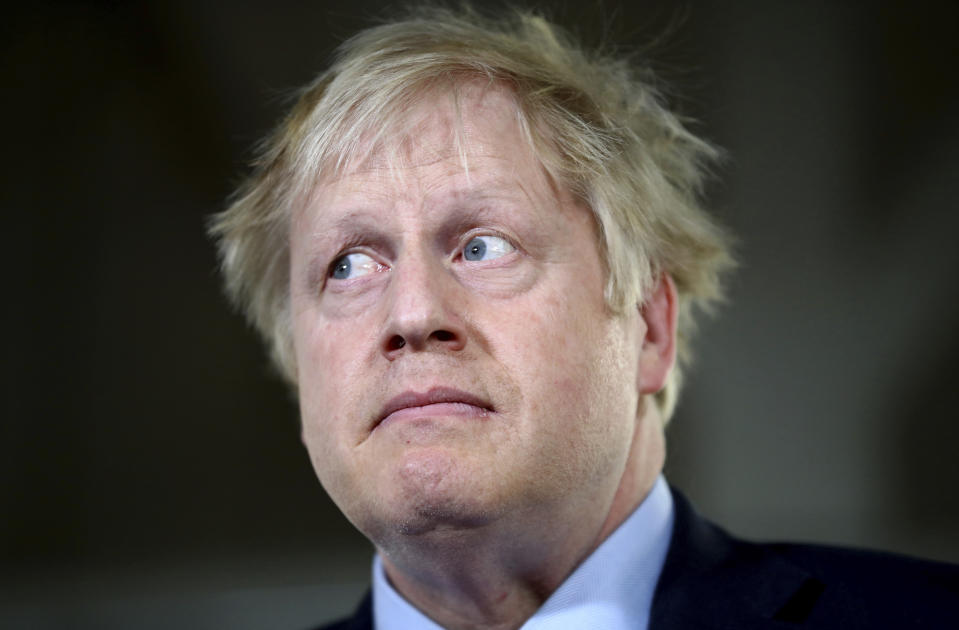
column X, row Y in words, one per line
column 345, row 252
column 470, row 235
column 354, row 247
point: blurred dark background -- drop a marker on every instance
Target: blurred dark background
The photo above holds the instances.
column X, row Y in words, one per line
column 152, row 473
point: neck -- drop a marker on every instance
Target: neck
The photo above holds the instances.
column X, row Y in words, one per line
column 498, row 575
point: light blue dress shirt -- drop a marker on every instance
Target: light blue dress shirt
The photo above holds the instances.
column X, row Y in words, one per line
column 612, row 589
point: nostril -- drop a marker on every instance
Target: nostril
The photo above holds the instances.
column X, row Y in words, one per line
column 443, row 335
column 439, row 338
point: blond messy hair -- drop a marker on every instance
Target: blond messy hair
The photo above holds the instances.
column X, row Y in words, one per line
column 598, row 125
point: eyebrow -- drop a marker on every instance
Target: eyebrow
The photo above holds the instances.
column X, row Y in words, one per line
column 362, row 217
column 354, row 222
column 363, row 222
column 351, row 228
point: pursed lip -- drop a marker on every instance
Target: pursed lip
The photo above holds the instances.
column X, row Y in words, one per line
column 433, row 396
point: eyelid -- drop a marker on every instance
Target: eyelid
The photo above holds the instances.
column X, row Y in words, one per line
column 471, row 234
column 331, row 267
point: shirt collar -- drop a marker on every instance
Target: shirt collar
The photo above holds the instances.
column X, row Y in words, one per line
column 612, row 589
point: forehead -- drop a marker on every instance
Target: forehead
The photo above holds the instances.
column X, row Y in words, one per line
column 471, row 137
column 453, row 123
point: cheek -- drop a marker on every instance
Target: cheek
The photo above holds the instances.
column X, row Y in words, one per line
column 324, row 391
column 542, row 352
column 577, row 367
column 561, row 337
column 312, row 349
column 328, row 412
column 330, row 353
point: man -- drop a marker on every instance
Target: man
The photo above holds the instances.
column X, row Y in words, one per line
column 475, row 251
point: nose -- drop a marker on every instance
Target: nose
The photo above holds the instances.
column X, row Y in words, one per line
column 424, row 310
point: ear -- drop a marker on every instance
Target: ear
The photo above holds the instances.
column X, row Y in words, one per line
column 658, row 352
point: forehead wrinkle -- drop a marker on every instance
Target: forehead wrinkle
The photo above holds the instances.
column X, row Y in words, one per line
column 441, row 125
column 372, row 189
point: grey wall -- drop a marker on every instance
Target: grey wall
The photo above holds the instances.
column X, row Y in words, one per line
column 824, row 403
column 152, row 474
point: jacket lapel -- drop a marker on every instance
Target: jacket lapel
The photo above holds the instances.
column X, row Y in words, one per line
column 710, row 580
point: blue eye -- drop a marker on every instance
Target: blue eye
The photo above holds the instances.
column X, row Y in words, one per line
column 486, row 248
column 353, row 266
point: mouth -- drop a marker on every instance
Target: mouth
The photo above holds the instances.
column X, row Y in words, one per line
column 437, row 401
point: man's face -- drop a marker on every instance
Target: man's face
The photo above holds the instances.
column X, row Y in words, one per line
column 457, row 363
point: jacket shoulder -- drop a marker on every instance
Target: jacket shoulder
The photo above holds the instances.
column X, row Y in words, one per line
column 712, row 580
column 877, row 589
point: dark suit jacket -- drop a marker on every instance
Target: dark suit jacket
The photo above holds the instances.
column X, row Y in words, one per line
column 713, row 581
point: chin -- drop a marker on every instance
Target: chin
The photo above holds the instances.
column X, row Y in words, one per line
column 441, row 518
column 435, row 492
